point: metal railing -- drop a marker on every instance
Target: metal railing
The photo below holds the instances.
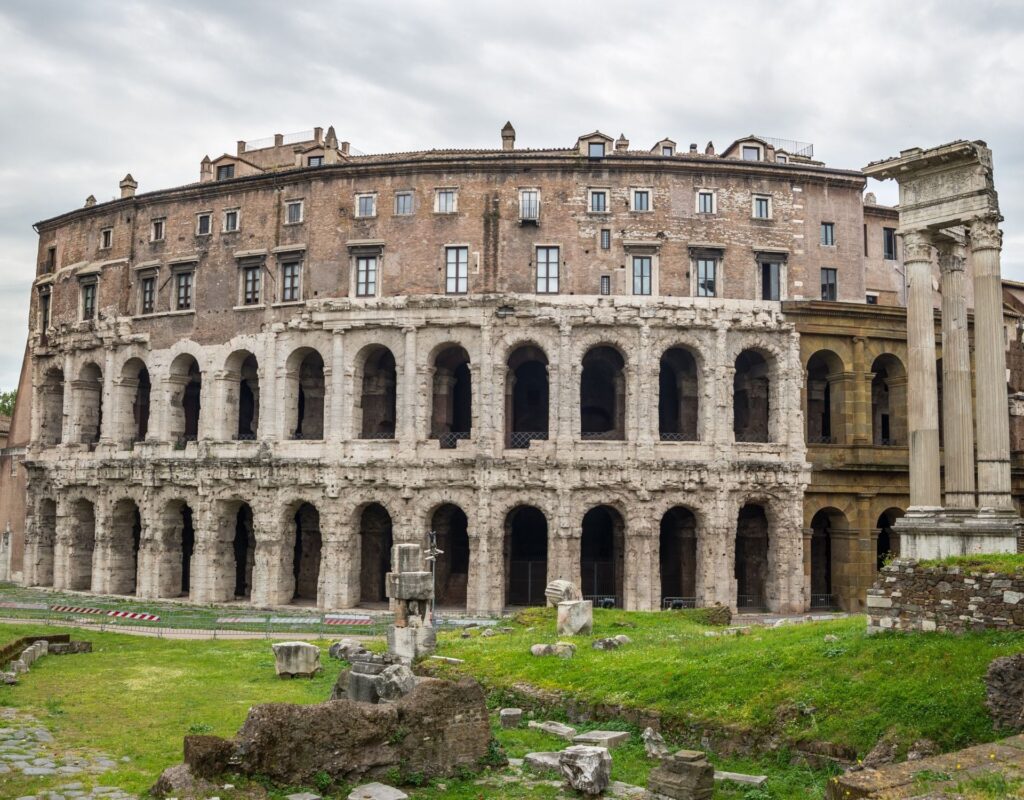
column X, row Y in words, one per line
column 449, row 440
column 821, row 440
column 823, row 601
column 678, row 603
column 245, row 437
column 520, row 440
column 529, row 210
column 749, row 601
column 601, row 436
column 378, row 435
column 298, row 436
column 676, row 436
column 603, row 600
column 752, row 436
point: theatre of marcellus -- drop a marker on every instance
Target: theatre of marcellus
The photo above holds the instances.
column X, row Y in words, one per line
column 672, row 375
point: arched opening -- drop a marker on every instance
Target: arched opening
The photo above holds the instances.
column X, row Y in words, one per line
column 45, row 539
column 451, row 418
column 751, row 566
column 888, row 401
column 125, row 538
column 51, row 422
column 89, row 404
column 888, row 544
column 602, row 556
column 243, row 395
column 678, row 558
column 525, row 550
column 179, row 545
column 244, row 548
column 603, row 394
column 822, row 525
column 378, row 398
column 375, row 534
column 450, row 524
column 82, row 545
column 306, row 389
column 134, row 392
column 185, row 383
column 824, row 398
column 678, row 392
column 306, row 552
column 750, row 398
column 526, row 397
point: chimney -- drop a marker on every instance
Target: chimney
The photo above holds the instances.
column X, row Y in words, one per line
column 332, row 139
column 508, row 137
column 621, row 144
column 318, row 135
column 870, row 199
column 710, row 149
column 693, row 147
column 241, row 147
column 128, row 186
column 205, row 170
column 278, row 139
column 344, row 149
column 90, row 201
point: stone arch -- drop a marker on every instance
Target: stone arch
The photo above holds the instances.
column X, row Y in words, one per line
column 824, row 523
column 124, row 539
column 242, row 395
column 134, row 391
column 185, row 387
column 376, row 538
column 243, row 548
column 88, row 407
column 304, row 543
column 305, row 393
column 751, row 556
column 527, row 396
column 81, row 546
column 679, row 396
column 451, row 417
column 602, row 555
column 888, row 401
column 51, row 400
column 603, row 394
column 825, row 388
column 677, row 559
column 39, row 553
column 376, row 411
column 176, row 547
column 525, row 550
column 887, row 544
column 451, row 525
column 751, row 397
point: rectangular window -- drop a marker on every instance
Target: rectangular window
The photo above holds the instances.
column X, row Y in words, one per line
column 666, row 150
column 147, row 290
column 529, row 204
column 444, row 201
column 403, row 204
column 606, row 239
column 456, row 270
column 203, row 224
column 156, row 233
column 641, row 274
column 871, row 299
column 828, row 283
column 366, row 205
column 762, row 207
column 366, row 276
column 641, row 200
column 706, row 278
column 595, row 150
column 889, row 244
column 106, row 238
column 315, row 161
column 44, row 310
column 290, row 272
column 251, row 286
column 781, row 160
column 705, row 202
column 606, row 284
column 865, row 240
column 89, row 300
column 547, row 270
column 771, row 288
column 225, row 172
column 293, row 212
column 230, row 221
column 598, row 201
column 183, row 290
column 751, row 153
column 828, row 234
column 51, row 259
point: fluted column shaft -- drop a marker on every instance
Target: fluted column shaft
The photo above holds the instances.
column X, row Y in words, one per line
column 957, row 416
column 990, row 367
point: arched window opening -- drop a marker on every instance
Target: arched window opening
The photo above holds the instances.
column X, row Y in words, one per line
column 526, row 397
column 89, row 406
column 306, row 553
column 751, row 565
column 888, row 544
column 750, row 398
column 888, row 402
column 678, row 403
column 133, row 402
column 247, row 415
column 450, row 524
column 186, row 546
column 678, row 558
column 378, row 399
column 82, row 545
column 375, row 533
column 603, row 395
column 186, row 384
column 525, row 549
column 822, row 525
column 45, row 540
column 308, row 390
column 52, row 407
column 602, row 557
column 244, row 548
column 451, row 418
column 824, row 398
column 126, row 537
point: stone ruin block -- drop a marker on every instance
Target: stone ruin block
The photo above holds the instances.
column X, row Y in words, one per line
column 575, row 618
column 587, row 769
column 684, row 775
column 296, row 659
column 208, row 756
column 1004, row 692
column 559, row 591
column 69, row 648
column 409, row 644
column 409, row 585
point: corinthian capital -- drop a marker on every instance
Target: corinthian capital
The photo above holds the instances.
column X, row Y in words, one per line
column 985, row 234
column 917, row 246
column 951, row 257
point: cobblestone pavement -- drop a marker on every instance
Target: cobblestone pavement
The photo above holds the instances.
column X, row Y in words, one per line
column 28, row 748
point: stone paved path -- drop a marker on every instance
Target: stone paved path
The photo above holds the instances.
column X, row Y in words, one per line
column 28, row 748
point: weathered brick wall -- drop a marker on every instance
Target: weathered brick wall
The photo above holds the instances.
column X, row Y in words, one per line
column 909, row 597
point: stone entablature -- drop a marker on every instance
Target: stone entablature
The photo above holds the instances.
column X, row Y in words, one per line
column 909, row 597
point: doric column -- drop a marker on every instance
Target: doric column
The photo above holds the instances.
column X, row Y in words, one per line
column 335, row 431
column 645, row 402
column 68, row 412
column 409, row 375
column 109, row 411
column 990, row 366
column 957, row 417
column 923, row 412
column 861, row 403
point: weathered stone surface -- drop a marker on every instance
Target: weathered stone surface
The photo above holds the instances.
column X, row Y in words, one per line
column 542, row 762
column 739, row 777
column 563, row 649
column 18, row 666
column 607, row 739
column 1004, row 692
column 296, row 659
column 587, row 769
column 575, row 618
column 922, row 748
column 340, row 689
column 555, row 728
column 560, row 591
column 207, row 756
column 395, row 682
column 884, row 752
column 684, row 775
column 542, row 650
column 346, row 650
column 303, row 796
column 622, row 639
column 178, row 781
column 606, row 644
column 510, row 717
column 654, row 743
column 377, row 791
column 69, row 648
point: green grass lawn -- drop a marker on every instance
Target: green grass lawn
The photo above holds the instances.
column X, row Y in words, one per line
column 1009, row 563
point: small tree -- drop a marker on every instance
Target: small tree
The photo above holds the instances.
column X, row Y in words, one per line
column 7, row 402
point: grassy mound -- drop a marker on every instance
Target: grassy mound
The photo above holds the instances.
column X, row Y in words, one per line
column 1007, row 563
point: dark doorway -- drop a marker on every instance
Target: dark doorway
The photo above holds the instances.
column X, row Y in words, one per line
column 526, row 556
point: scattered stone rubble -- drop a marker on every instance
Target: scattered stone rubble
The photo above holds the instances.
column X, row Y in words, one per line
column 588, row 769
column 1004, row 692
column 575, row 618
column 654, row 743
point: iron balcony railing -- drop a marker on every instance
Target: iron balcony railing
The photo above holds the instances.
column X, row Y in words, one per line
column 305, row 437
column 520, row 440
column 378, row 435
column 676, row 436
column 245, row 437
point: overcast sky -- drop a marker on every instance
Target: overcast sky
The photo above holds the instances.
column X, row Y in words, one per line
column 90, row 90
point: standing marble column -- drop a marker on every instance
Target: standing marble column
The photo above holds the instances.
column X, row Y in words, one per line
column 922, row 390
column 990, row 366
column 957, row 417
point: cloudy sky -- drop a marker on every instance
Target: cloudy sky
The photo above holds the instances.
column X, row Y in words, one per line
column 92, row 89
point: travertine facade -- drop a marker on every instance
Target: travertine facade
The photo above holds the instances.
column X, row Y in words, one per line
column 571, row 364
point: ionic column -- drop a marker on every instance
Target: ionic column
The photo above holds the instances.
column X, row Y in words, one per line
column 990, row 366
column 922, row 389
column 957, row 417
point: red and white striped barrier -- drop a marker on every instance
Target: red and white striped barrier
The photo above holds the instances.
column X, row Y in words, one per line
column 134, row 615
column 77, row 610
column 119, row 614
column 348, row 621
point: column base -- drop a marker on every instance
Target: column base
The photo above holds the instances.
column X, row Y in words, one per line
column 939, row 532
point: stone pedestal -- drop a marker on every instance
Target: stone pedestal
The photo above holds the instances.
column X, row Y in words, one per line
column 575, row 617
column 412, row 589
column 296, row 659
column 685, row 775
column 937, row 533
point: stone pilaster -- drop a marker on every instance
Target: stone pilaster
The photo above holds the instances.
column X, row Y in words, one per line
column 335, row 432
